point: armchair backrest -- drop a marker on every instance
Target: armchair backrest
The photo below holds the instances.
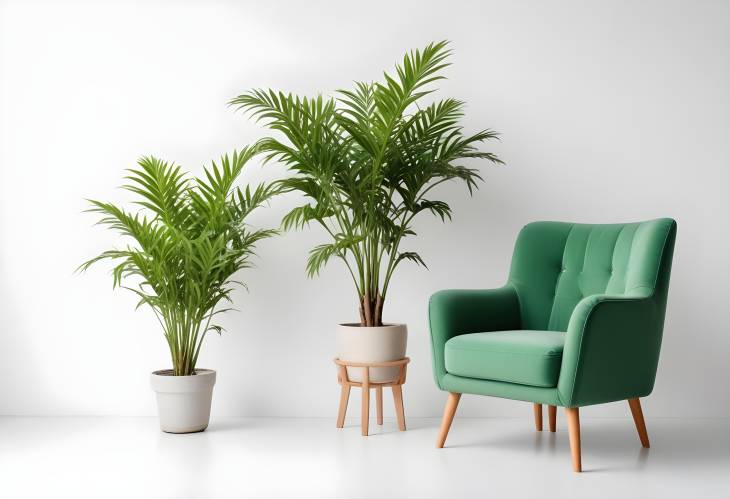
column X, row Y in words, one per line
column 556, row 264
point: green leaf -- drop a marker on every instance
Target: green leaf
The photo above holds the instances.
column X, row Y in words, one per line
column 367, row 162
column 185, row 245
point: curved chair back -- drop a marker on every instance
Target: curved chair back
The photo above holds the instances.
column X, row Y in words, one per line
column 555, row 265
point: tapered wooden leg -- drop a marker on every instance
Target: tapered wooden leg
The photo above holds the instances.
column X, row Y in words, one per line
column 449, row 411
column 552, row 417
column 365, row 412
column 537, row 409
column 379, row 404
column 344, row 398
column 399, row 412
column 574, row 435
column 638, row 415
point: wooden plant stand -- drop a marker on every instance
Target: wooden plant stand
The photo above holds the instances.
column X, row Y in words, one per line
column 366, row 385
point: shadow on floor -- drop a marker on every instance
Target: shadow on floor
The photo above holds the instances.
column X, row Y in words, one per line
column 606, row 441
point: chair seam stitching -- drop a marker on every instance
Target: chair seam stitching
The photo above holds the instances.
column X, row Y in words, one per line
column 504, row 352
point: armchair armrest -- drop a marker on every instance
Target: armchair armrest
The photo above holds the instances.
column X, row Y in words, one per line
column 611, row 350
column 460, row 311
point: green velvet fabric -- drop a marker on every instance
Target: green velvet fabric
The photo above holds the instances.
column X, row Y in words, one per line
column 605, row 286
column 524, row 357
column 514, row 391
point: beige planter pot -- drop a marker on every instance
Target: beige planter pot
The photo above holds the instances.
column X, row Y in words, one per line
column 183, row 402
column 357, row 343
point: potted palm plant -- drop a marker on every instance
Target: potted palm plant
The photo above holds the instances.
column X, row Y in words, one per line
column 183, row 248
column 367, row 161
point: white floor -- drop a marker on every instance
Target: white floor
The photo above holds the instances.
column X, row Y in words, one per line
column 309, row 458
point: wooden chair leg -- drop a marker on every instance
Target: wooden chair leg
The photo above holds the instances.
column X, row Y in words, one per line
column 638, row 415
column 574, row 435
column 552, row 417
column 399, row 412
column 344, row 398
column 537, row 409
column 365, row 412
column 449, row 412
column 379, row 404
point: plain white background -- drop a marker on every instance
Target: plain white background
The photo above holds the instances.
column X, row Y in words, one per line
column 609, row 112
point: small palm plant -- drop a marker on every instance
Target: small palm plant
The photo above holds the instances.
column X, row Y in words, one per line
column 187, row 242
column 368, row 160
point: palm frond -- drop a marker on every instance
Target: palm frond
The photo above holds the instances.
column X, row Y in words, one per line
column 186, row 244
column 367, row 162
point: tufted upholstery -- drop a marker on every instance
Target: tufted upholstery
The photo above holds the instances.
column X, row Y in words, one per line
column 605, row 286
column 579, row 322
column 555, row 265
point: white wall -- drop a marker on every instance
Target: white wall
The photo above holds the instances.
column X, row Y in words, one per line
column 609, row 111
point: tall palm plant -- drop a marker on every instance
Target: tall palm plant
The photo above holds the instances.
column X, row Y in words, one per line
column 187, row 242
column 368, row 160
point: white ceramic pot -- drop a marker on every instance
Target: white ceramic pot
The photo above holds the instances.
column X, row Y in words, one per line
column 183, row 402
column 358, row 343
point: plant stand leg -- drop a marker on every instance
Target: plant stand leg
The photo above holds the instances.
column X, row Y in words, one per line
column 366, row 385
column 552, row 417
column 344, row 398
column 365, row 413
column 379, row 404
column 399, row 412
column 537, row 409
column 574, row 434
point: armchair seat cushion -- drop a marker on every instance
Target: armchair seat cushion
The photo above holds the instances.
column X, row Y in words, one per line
column 525, row 357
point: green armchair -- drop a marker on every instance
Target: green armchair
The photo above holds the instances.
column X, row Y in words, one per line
column 578, row 323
